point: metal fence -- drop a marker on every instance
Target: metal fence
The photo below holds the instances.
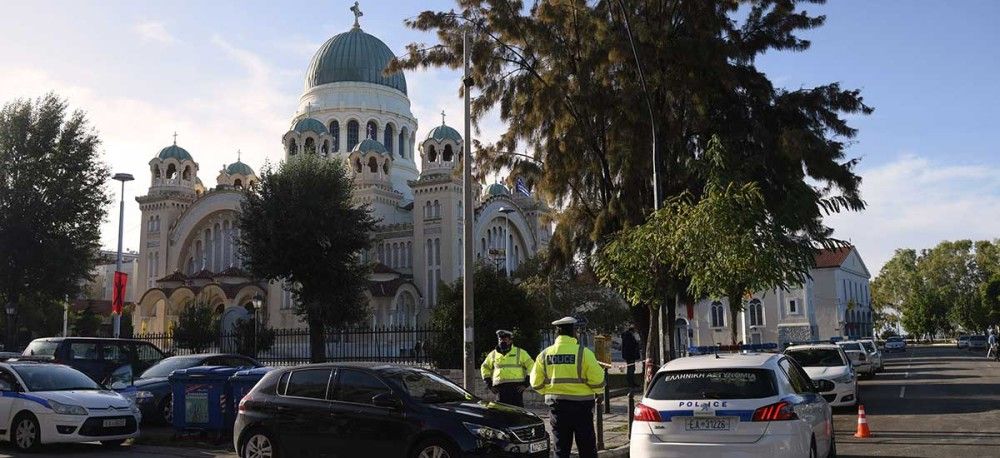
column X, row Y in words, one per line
column 283, row 347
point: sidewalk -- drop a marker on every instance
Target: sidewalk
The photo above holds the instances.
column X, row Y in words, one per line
column 615, row 427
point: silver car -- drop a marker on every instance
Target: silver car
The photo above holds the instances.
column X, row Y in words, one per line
column 874, row 354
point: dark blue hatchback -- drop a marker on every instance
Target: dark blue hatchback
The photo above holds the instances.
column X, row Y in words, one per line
column 153, row 389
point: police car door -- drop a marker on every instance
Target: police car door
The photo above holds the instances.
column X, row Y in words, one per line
column 8, row 386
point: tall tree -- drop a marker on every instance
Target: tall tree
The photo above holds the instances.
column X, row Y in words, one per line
column 298, row 225
column 197, row 326
column 52, row 199
column 565, row 79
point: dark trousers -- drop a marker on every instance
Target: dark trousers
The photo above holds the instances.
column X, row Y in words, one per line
column 508, row 393
column 630, row 374
column 571, row 419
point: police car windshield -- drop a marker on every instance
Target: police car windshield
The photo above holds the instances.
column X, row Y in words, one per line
column 713, row 384
column 817, row 357
column 46, row 377
column 428, row 387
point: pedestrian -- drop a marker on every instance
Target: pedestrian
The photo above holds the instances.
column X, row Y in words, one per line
column 505, row 370
column 569, row 376
column 991, row 343
column 630, row 353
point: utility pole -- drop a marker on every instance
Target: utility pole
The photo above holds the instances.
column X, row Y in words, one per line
column 468, row 349
column 123, row 177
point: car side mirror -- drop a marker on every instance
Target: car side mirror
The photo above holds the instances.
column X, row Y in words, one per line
column 387, row 400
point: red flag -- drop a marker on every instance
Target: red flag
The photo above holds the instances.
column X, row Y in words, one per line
column 118, row 298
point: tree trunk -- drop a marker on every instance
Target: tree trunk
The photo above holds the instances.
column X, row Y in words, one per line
column 671, row 326
column 317, row 341
column 652, row 347
column 735, row 304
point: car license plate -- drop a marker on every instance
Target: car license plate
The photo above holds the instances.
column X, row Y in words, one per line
column 115, row 423
column 709, row 424
column 539, row 446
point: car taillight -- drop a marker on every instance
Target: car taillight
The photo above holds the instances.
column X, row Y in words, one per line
column 243, row 403
column 645, row 413
column 779, row 411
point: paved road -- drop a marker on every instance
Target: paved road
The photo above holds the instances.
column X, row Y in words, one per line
column 930, row 402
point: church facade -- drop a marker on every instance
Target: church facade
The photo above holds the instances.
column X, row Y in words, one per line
column 349, row 111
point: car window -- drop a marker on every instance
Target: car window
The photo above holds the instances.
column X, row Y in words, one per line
column 147, row 353
column 111, row 351
column 8, row 382
column 817, row 357
column 54, row 377
column 41, row 348
column 870, row 347
column 167, row 366
column 894, row 339
column 230, row 361
column 358, row 387
column 83, row 351
column 713, row 384
column 282, row 383
column 308, row 383
column 427, row 387
column 851, row 346
column 796, row 377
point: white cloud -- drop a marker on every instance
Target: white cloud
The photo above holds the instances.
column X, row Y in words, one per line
column 154, row 31
column 914, row 202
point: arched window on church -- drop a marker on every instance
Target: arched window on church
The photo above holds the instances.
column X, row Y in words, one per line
column 335, row 133
column 437, row 209
column 238, row 183
column 310, row 146
column 402, row 142
column 372, row 165
column 447, row 156
column 171, row 172
column 387, row 137
column 409, row 254
column 156, row 171
column 432, row 156
column 187, row 173
column 357, row 165
column 352, row 134
column 293, row 147
column 385, row 167
column 371, row 130
column 325, row 150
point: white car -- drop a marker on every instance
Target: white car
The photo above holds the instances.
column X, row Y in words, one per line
column 42, row 403
column 747, row 405
column 874, row 354
column 859, row 358
column 896, row 344
column 828, row 366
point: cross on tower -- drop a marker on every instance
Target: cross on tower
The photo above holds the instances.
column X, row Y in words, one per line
column 238, row 154
column 357, row 14
column 442, row 117
column 175, row 138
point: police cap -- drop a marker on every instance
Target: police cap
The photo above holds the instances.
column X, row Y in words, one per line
column 564, row 321
column 501, row 333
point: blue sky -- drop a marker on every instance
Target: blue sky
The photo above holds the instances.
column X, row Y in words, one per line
column 226, row 75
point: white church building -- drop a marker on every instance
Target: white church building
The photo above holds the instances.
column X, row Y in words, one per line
column 349, row 111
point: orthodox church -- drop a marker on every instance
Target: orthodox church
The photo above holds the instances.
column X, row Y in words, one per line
column 349, row 111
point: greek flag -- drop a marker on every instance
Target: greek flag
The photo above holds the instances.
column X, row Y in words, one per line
column 520, row 187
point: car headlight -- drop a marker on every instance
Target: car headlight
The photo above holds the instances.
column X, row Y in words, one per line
column 67, row 409
column 143, row 396
column 845, row 379
column 486, row 433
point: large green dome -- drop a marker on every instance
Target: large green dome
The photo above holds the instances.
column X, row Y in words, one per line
column 175, row 152
column 310, row 125
column 239, row 168
column 444, row 132
column 353, row 56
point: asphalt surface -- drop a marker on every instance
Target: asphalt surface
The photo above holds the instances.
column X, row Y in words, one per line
column 930, row 402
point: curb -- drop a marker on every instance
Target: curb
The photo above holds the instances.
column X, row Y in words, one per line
column 619, row 452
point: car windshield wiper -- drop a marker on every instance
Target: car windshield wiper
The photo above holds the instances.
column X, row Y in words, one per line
column 77, row 388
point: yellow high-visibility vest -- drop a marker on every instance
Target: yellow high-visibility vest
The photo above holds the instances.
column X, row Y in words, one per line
column 567, row 370
column 506, row 368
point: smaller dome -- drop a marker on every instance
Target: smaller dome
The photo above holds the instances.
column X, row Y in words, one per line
column 239, row 168
column 310, row 125
column 369, row 145
column 175, row 152
column 444, row 132
column 497, row 189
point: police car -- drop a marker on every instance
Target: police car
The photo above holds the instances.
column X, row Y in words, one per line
column 44, row 403
column 748, row 405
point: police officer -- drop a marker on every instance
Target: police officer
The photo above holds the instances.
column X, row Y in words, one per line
column 505, row 370
column 569, row 376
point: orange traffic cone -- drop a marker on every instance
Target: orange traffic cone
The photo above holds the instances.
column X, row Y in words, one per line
column 863, row 431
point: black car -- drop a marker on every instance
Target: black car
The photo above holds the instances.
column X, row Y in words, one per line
column 352, row 410
column 152, row 393
column 99, row 358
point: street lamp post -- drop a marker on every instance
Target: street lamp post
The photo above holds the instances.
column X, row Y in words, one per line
column 258, row 303
column 506, row 246
column 468, row 350
column 122, row 177
column 10, row 309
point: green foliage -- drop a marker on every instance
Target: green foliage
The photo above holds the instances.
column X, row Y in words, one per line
column 298, row 225
column 197, row 327
column 244, row 341
column 500, row 304
column 87, row 324
column 52, row 199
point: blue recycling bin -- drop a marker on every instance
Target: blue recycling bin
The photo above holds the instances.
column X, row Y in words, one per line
column 239, row 385
column 201, row 398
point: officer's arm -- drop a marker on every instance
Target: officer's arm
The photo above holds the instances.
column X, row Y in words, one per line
column 487, row 368
column 527, row 363
column 537, row 377
column 593, row 372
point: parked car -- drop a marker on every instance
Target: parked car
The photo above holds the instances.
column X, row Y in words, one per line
column 962, row 342
column 895, row 343
column 978, row 343
column 829, row 367
column 752, row 404
column 42, row 403
column 153, row 394
column 97, row 357
column 859, row 358
column 380, row 411
column 874, row 354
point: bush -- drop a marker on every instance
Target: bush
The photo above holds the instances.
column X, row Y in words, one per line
column 499, row 304
column 197, row 328
column 243, row 338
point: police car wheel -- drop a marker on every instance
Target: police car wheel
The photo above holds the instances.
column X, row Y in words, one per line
column 260, row 445
column 26, row 433
column 435, row 448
